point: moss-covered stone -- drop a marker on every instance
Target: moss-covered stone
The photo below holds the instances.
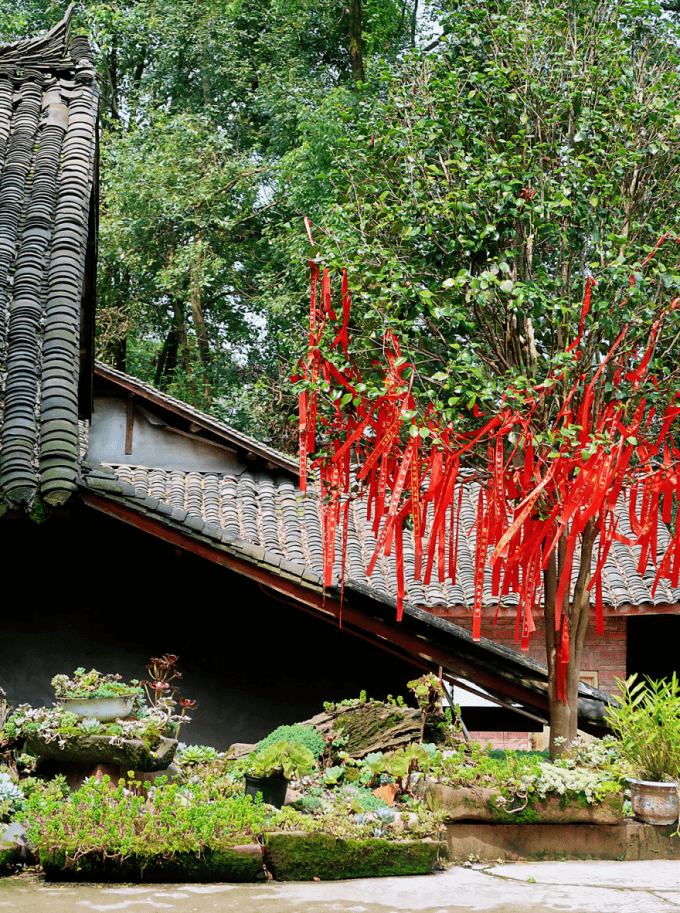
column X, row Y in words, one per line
column 481, row 804
column 370, row 726
column 230, row 864
column 131, row 754
column 8, row 856
column 303, row 857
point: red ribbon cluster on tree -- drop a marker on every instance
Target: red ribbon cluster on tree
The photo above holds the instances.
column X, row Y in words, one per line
column 530, row 496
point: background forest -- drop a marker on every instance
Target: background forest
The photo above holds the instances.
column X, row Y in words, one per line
column 469, row 163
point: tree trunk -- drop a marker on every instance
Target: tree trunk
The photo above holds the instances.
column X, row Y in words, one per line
column 356, row 55
column 184, row 348
column 564, row 716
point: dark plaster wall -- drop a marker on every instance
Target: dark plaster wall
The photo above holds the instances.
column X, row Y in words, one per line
column 88, row 590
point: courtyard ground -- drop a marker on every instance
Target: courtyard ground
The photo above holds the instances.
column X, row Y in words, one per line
column 547, row 887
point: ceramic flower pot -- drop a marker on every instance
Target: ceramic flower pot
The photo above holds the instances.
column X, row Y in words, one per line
column 273, row 789
column 654, row 803
column 105, row 709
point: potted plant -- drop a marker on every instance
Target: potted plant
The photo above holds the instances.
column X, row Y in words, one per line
column 274, row 766
column 96, row 696
column 647, row 720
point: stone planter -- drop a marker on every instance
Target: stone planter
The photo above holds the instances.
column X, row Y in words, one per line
column 477, row 804
column 299, row 856
column 212, row 864
column 105, row 709
column 654, row 803
column 131, row 754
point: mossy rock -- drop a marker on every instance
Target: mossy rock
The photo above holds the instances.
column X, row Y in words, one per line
column 8, row 856
column 303, row 857
column 376, row 726
column 219, row 864
column 132, row 754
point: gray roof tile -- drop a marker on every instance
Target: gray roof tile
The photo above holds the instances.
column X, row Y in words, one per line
column 268, row 518
column 47, row 154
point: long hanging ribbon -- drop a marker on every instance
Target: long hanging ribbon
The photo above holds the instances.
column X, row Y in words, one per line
column 532, row 494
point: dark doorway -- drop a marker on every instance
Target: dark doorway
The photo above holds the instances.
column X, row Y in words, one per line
column 652, row 645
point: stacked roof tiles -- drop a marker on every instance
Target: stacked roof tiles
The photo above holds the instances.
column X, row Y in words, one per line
column 48, row 116
column 269, row 511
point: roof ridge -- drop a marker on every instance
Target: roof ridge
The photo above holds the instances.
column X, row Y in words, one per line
column 48, row 50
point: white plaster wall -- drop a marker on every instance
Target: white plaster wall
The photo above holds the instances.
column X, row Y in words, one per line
column 153, row 443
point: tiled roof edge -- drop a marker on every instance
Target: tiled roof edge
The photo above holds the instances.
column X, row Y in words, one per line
column 47, row 51
column 101, row 480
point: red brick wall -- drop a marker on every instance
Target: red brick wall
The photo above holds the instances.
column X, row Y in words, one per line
column 512, row 741
column 602, row 653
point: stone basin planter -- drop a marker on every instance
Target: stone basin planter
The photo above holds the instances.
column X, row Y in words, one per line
column 654, row 802
column 477, row 804
column 105, row 709
column 131, row 754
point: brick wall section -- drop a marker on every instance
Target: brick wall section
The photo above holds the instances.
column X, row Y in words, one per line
column 602, row 653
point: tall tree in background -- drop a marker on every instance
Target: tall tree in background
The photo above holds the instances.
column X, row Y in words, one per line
column 199, row 107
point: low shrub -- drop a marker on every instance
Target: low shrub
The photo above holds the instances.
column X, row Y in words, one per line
column 119, row 820
column 303, row 735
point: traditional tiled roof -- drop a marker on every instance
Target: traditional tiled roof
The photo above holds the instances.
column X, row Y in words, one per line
column 269, row 512
column 48, row 115
column 265, row 526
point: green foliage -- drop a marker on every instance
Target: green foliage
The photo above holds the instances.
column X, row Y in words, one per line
column 199, row 106
column 476, row 189
column 94, row 684
column 428, row 690
column 196, row 755
column 333, row 776
column 289, row 759
column 101, row 818
column 361, row 800
column 297, row 733
column 589, row 773
column 647, row 720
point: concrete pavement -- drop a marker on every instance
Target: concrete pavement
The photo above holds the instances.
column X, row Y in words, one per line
column 540, row 887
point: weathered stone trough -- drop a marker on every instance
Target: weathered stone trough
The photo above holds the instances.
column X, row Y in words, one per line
column 288, row 856
column 477, row 828
column 483, row 805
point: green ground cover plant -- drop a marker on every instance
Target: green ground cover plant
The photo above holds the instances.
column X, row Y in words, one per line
column 101, row 818
column 589, row 773
column 302, row 735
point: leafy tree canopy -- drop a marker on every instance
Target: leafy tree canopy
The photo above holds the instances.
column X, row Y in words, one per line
column 482, row 186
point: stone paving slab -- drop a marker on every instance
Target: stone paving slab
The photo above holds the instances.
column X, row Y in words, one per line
column 595, row 887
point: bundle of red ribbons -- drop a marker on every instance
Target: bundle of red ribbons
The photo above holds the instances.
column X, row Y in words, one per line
column 378, row 452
